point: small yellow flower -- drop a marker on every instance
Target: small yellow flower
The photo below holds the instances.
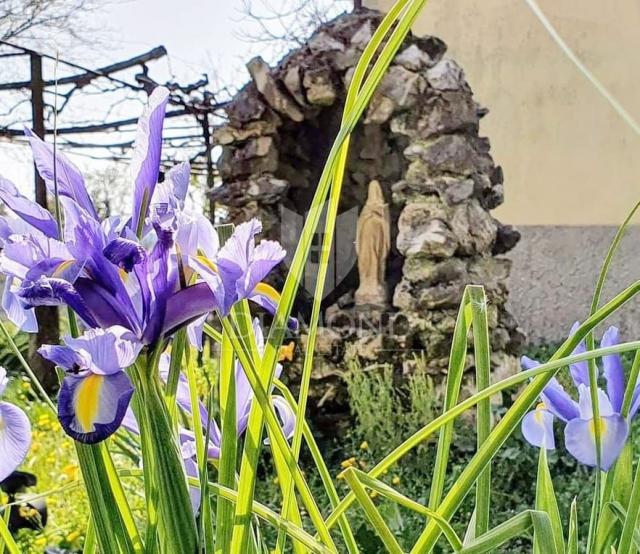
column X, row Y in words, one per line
column 395, row 480
column 364, row 445
column 276, row 480
column 373, row 494
column 286, row 352
column 40, row 541
column 348, row 463
column 73, row 536
column 71, row 471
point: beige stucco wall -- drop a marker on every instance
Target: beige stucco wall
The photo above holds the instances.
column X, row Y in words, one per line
column 568, row 158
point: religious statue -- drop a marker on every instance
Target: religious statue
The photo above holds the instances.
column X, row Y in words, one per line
column 372, row 247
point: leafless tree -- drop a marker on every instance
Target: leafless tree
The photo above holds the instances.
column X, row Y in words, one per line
column 37, row 22
column 280, row 25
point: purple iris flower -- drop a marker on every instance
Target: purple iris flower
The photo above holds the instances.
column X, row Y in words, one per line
column 133, row 273
column 579, row 431
column 95, row 392
column 15, row 433
column 237, row 271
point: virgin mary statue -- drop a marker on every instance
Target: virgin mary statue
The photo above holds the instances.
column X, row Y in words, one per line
column 372, row 247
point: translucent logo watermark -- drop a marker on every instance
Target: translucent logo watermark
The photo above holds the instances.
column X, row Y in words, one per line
column 342, row 257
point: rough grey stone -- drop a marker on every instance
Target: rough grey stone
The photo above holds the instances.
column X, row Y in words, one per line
column 446, row 75
column 266, row 84
column 319, row 86
column 402, row 86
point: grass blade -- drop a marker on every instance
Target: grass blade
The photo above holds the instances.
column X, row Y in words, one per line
column 392, row 494
column 6, row 540
column 457, row 364
column 546, row 502
column 482, row 354
column 629, row 526
column 228, row 449
column 372, row 513
column 517, row 526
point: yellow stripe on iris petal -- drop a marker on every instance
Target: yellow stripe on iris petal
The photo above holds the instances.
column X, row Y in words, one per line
column 603, row 427
column 267, row 290
column 64, row 265
column 206, row 261
column 538, row 412
column 86, row 401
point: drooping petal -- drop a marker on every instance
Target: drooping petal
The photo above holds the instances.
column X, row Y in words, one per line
column 70, row 181
column 15, row 438
column 579, row 436
column 613, row 370
column 27, row 210
column 21, row 317
column 579, row 370
column 124, row 253
column 268, row 298
column 195, row 331
column 55, row 292
column 537, row 428
column 187, row 305
column 91, row 408
column 145, row 161
column 103, row 305
column 287, row 417
column 106, row 351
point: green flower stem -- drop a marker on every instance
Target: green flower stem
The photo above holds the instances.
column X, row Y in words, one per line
column 176, row 522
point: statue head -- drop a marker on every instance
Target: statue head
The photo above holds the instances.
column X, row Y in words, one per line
column 375, row 196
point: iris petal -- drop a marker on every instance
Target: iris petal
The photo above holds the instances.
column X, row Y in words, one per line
column 124, row 253
column 69, row 179
column 21, row 317
column 579, row 370
column 26, row 209
column 613, row 370
column 145, row 161
column 106, row 351
column 580, row 439
column 268, row 298
column 537, row 429
column 91, row 408
column 558, row 402
column 15, row 438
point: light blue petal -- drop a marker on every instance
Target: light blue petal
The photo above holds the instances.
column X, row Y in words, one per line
column 579, row 436
column 15, row 438
column 537, row 429
column 613, row 370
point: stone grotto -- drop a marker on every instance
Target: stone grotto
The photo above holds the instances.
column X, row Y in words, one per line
column 419, row 142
